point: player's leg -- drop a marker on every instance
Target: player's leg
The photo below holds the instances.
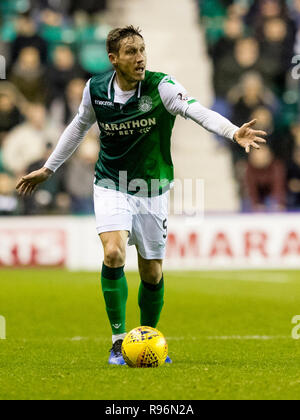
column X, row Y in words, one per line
column 113, row 280
column 149, row 234
column 115, row 290
column 114, row 222
column 151, row 292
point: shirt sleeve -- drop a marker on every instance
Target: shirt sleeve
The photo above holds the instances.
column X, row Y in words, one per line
column 177, row 102
column 74, row 133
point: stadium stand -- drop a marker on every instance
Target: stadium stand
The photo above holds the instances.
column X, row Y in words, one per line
column 252, row 45
column 53, row 47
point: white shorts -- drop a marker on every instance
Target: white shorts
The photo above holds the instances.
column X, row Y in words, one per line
column 146, row 219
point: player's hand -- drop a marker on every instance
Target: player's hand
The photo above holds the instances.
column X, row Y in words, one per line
column 247, row 137
column 28, row 183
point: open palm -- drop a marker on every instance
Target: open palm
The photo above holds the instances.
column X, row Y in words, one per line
column 247, row 137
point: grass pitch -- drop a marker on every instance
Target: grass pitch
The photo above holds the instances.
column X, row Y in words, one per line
column 229, row 336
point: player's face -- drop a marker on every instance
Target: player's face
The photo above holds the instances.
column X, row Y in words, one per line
column 131, row 61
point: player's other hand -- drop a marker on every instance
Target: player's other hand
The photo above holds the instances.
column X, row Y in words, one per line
column 28, row 183
column 247, row 137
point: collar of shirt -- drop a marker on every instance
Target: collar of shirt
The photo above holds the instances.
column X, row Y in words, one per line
column 115, row 93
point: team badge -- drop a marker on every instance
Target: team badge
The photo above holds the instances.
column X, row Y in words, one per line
column 145, row 104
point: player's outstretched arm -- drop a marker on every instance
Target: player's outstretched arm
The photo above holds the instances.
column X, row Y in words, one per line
column 28, row 183
column 247, row 137
column 177, row 102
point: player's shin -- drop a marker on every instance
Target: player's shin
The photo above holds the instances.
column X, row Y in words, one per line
column 151, row 302
column 115, row 292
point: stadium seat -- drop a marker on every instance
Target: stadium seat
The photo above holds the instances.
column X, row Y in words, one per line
column 93, row 58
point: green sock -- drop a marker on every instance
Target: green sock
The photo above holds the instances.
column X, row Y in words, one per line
column 151, row 302
column 115, row 292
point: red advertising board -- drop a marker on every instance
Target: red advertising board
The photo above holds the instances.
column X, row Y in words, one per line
column 32, row 247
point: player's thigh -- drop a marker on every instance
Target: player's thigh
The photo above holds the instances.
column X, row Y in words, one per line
column 149, row 228
column 112, row 211
column 114, row 246
column 113, row 223
column 151, row 271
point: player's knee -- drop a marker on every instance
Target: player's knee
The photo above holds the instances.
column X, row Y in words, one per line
column 152, row 276
column 114, row 256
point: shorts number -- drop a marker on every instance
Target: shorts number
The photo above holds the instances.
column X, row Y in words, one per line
column 165, row 226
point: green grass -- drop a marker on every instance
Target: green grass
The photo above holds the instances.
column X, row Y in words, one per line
column 214, row 322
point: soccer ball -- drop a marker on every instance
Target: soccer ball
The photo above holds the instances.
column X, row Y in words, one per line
column 145, row 347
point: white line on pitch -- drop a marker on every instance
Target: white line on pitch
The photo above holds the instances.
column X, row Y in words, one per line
column 218, row 337
column 248, row 337
column 251, row 277
column 232, row 337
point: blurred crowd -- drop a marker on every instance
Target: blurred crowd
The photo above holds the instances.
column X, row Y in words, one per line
column 52, row 47
column 253, row 46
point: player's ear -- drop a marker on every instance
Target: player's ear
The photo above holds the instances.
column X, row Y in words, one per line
column 112, row 58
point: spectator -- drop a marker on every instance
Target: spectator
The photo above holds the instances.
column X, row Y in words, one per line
column 51, row 196
column 51, row 21
column 233, row 30
column 245, row 58
column 250, row 100
column 90, row 6
column 63, row 110
column 48, row 33
column 57, row 5
column 252, row 80
column 277, row 48
column 60, row 74
column 27, row 36
column 295, row 130
column 297, row 43
column 265, row 181
column 248, row 95
column 10, row 115
column 266, row 9
column 238, row 9
column 79, row 176
column 28, row 75
column 293, row 181
column 25, row 144
column 8, row 201
column 294, row 7
column 70, row 6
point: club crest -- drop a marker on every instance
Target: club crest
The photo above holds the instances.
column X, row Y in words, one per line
column 145, row 104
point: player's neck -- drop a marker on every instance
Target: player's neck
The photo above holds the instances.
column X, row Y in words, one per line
column 124, row 84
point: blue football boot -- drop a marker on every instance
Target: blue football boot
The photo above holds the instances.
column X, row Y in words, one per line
column 168, row 360
column 116, row 356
